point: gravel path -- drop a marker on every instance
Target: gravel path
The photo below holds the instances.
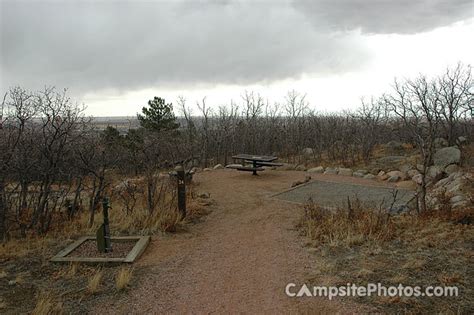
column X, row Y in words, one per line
column 238, row 260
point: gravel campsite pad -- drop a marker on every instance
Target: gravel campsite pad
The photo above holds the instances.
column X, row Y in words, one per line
column 335, row 194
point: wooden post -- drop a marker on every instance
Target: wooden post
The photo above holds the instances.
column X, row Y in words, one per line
column 106, row 206
column 104, row 244
column 181, row 190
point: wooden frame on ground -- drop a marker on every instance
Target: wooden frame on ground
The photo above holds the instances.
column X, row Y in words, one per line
column 137, row 250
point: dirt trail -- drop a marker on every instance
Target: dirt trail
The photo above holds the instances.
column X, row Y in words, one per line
column 238, row 260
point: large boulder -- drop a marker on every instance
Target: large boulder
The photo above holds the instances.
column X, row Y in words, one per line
column 375, row 170
column 195, row 170
column 360, row 173
column 451, row 168
column 455, row 188
column 460, row 204
column 382, row 176
column 412, row 173
column 399, row 174
column 405, row 168
column 369, row 176
column 300, row 167
column 445, row 156
column 318, row 169
column 455, row 185
column 435, row 173
column 461, row 140
column 417, row 179
column 330, row 171
column 233, row 165
column 443, row 182
column 218, row 167
column 457, row 199
column 345, row 171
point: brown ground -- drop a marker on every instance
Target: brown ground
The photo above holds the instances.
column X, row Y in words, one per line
column 238, row 260
column 89, row 249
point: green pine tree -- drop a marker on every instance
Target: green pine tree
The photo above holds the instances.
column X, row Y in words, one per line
column 158, row 115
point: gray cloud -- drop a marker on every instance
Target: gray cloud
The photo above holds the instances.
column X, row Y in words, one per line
column 385, row 16
column 126, row 45
column 90, row 46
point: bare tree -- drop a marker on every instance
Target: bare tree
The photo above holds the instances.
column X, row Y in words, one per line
column 295, row 110
column 371, row 115
column 225, row 128
column 190, row 129
column 417, row 103
column 251, row 110
column 59, row 121
column 205, row 136
column 456, row 98
column 18, row 109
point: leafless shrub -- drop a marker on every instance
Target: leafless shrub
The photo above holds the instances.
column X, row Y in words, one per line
column 53, row 162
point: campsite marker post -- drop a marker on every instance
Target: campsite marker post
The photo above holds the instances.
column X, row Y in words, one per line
column 181, row 190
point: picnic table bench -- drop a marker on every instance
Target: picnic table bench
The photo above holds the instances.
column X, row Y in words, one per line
column 257, row 162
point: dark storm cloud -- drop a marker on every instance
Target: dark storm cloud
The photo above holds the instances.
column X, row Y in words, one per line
column 385, row 16
column 126, row 45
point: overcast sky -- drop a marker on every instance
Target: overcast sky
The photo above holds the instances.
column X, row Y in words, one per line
column 114, row 55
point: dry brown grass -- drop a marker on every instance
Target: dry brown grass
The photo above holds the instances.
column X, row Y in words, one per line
column 165, row 218
column 123, row 278
column 142, row 222
column 79, row 282
column 3, row 304
column 47, row 304
column 93, row 285
column 346, row 227
column 419, row 250
column 21, row 247
column 72, row 271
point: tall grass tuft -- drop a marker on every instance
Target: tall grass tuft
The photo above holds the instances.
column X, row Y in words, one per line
column 46, row 304
column 93, row 286
column 353, row 226
column 122, row 280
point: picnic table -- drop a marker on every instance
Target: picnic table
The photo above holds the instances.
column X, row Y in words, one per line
column 257, row 162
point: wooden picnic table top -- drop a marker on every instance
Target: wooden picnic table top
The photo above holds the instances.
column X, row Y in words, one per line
column 250, row 157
